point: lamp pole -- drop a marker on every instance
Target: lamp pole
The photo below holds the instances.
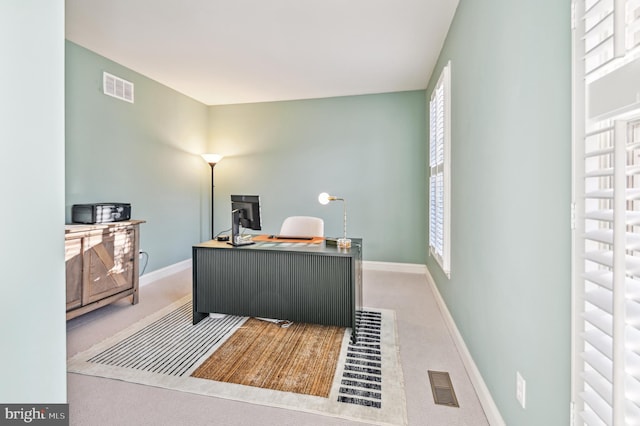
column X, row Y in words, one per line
column 324, row 198
column 212, row 159
column 212, row 191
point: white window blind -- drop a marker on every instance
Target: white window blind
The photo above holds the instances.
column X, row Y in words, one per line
column 439, row 180
column 606, row 298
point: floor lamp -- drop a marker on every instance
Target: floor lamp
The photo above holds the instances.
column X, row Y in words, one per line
column 212, row 159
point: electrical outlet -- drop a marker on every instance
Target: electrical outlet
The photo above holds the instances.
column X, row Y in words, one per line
column 521, row 389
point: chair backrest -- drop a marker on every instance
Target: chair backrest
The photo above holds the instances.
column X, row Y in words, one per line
column 302, row 226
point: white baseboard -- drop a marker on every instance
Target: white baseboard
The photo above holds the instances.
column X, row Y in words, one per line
column 486, row 400
column 411, row 268
column 164, row 272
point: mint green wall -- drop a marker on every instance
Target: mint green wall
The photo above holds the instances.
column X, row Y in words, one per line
column 32, row 301
column 146, row 153
column 368, row 149
column 509, row 291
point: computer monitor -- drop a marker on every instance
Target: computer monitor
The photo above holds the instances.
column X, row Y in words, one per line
column 245, row 212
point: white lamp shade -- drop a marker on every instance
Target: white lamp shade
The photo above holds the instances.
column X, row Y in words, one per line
column 212, row 158
column 324, row 198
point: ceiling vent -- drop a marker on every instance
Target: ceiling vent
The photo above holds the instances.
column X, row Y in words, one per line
column 117, row 87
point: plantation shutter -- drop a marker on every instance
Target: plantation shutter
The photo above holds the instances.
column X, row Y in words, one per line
column 606, row 364
column 439, row 140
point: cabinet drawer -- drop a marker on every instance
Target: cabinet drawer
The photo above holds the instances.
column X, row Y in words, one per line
column 109, row 264
column 73, row 262
column 101, row 265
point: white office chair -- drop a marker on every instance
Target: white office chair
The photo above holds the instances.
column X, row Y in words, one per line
column 302, row 226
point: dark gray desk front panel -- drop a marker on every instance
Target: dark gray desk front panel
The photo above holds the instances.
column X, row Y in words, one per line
column 301, row 283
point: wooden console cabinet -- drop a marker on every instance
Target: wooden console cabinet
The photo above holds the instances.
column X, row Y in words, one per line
column 101, row 264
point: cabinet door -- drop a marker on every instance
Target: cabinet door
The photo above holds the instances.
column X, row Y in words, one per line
column 109, row 263
column 73, row 262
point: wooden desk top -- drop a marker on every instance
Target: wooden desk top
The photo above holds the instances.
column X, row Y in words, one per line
column 263, row 242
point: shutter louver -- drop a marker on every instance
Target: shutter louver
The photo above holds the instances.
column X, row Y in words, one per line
column 611, row 310
column 607, row 377
column 633, row 24
column 438, row 171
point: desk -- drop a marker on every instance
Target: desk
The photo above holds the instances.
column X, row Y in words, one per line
column 300, row 282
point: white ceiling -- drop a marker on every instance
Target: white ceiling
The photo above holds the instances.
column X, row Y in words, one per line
column 239, row 51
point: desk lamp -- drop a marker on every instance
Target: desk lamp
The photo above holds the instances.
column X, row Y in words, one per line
column 212, row 159
column 324, row 198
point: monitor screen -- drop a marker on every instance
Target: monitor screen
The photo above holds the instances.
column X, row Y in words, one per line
column 248, row 211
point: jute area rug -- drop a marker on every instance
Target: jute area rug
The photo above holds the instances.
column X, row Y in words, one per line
column 302, row 367
column 301, row 358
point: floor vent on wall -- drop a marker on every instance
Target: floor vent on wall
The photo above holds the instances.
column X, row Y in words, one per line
column 442, row 388
column 117, row 87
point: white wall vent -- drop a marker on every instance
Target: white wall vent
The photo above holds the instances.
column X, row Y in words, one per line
column 117, row 87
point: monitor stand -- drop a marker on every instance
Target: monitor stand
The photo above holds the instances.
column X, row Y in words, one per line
column 236, row 239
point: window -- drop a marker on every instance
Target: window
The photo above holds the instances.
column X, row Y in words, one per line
column 606, row 181
column 439, row 180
